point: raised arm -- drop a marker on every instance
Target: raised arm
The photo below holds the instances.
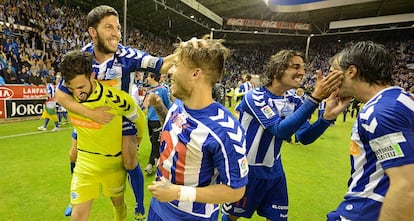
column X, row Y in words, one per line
column 98, row 115
column 155, row 101
column 168, row 62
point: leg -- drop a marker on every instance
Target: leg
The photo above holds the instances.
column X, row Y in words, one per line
column 135, row 176
column 81, row 211
column 120, row 209
column 154, row 128
column 72, row 158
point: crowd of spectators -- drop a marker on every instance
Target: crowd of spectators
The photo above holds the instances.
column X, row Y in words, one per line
column 34, row 35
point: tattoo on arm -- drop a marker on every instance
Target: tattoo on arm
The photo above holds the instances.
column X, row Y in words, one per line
column 161, row 112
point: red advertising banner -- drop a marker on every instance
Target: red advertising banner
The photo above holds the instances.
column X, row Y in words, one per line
column 21, row 91
column 2, row 110
column 21, row 100
column 268, row 24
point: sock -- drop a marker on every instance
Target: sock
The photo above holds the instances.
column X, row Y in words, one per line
column 120, row 212
column 224, row 217
column 136, row 179
column 59, row 116
column 46, row 122
column 57, row 124
column 72, row 167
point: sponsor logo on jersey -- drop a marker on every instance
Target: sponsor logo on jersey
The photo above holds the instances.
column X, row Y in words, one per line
column 267, row 111
column 244, row 166
column 387, row 147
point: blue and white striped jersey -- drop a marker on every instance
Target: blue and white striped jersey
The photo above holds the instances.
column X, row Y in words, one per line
column 119, row 71
column 50, row 90
column 259, row 110
column 382, row 137
column 200, row 148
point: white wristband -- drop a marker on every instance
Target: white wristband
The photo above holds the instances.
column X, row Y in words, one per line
column 188, row 193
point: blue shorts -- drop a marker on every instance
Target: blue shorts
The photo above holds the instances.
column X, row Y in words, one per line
column 268, row 197
column 128, row 129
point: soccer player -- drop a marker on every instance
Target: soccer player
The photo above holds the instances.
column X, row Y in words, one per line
column 154, row 124
column 202, row 161
column 99, row 161
column 114, row 64
column 49, row 111
column 381, row 186
column 271, row 114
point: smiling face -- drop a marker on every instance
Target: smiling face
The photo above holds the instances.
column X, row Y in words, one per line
column 181, row 73
column 81, row 87
column 106, row 35
column 292, row 78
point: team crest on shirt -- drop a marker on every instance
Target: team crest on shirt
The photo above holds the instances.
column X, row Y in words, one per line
column 267, row 111
column 244, row 166
column 388, row 146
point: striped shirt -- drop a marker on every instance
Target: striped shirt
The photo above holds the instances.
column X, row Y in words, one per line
column 119, row 70
column 259, row 110
column 382, row 137
column 200, row 148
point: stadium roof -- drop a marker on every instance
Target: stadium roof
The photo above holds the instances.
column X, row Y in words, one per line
column 262, row 20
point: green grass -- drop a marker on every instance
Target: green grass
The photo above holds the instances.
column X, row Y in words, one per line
column 35, row 179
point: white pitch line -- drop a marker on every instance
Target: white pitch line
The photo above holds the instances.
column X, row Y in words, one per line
column 32, row 133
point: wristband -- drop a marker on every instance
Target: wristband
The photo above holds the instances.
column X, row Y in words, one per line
column 314, row 98
column 187, row 193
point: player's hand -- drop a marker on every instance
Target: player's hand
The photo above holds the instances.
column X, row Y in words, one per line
column 152, row 100
column 335, row 105
column 100, row 115
column 164, row 191
column 326, row 86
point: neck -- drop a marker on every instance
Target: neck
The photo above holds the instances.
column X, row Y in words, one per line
column 364, row 91
column 277, row 88
column 199, row 99
column 101, row 57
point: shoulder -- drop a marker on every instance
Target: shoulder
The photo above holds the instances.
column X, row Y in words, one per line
column 129, row 52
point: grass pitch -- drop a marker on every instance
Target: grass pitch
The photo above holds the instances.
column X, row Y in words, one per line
column 35, row 179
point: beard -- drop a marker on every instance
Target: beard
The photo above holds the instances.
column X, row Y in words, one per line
column 100, row 45
column 180, row 91
column 83, row 96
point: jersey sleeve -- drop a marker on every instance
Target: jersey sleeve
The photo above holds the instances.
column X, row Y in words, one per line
column 126, row 106
column 142, row 61
column 390, row 134
column 265, row 113
column 140, row 122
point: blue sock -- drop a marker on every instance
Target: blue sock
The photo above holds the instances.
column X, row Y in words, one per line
column 46, row 122
column 136, row 179
column 72, row 166
column 224, row 217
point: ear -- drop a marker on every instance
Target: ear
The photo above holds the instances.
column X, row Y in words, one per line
column 92, row 31
column 352, row 70
column 197, row 73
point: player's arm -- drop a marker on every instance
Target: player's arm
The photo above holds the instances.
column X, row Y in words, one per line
column 155, row 101
column 218, row 193
column 167, row 64
column 98, row 115
column 334, row 106
column 399, row 201
column 140, row 123
column 126, row 106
